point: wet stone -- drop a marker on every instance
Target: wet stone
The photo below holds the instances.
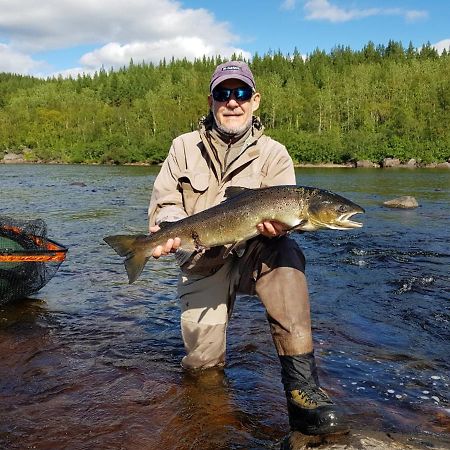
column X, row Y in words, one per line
column 405, row 202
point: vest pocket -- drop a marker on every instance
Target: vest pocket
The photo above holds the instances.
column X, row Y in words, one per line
column 192, row 186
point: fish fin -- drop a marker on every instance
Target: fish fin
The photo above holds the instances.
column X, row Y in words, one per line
column 134, row 260
column 134, row 264
column 234, row 246
column 233, row 191
column 304, row 225
column 182, row 256
column 297, row 227
column 122, row 243
column 240, row 250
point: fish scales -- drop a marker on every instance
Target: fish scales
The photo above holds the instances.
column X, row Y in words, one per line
column 234, row 221
column 216, row 226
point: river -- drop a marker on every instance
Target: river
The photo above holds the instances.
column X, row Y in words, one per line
column 92, row 362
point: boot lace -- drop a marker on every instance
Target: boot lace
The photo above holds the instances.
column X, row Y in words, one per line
column 310, row 397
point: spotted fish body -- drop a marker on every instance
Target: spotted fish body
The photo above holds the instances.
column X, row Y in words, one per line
column 234, row 221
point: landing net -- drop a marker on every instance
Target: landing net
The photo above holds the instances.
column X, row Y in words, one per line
column 28, row 259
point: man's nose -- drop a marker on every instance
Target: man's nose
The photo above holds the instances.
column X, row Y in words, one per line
column 232, row 101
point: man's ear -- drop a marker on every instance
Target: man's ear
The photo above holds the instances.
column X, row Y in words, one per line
column 256, row 100
column 210, row 101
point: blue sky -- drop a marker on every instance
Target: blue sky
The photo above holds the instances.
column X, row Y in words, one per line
column 73, row 36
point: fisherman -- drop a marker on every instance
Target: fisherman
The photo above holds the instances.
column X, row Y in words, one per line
column 230, row 149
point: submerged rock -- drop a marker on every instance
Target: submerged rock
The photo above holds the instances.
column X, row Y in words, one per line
column 405, row 202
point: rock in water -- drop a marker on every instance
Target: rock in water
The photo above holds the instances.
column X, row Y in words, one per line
column 405, row 202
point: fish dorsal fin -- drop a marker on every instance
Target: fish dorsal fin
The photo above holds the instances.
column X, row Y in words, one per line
column 233, row 191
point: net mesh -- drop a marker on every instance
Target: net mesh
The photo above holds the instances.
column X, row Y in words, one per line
column 28, row 259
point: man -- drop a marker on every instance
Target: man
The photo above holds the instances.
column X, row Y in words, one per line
column 230, row 149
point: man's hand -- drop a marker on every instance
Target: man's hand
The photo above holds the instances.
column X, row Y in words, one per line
column 171, row 246
column 271, row 228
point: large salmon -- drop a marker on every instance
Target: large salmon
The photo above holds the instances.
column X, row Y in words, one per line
column 234, row 221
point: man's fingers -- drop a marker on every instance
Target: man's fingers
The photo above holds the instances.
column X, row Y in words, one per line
column 176, row 244
column 171, row 246
column 168, row 246
column 271, row 229
column 266, row 229
column 157, row 252
column 279, row 228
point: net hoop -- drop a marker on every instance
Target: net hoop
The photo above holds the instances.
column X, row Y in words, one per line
column 28, row 259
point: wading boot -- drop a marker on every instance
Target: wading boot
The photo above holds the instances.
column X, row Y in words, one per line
column 310, row 409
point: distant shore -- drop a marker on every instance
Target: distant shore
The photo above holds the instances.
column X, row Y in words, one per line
column 15, row 158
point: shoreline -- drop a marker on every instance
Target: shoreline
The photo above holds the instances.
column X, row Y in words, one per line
column 436, row 165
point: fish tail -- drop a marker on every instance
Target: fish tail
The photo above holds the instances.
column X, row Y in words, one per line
column 135, row 258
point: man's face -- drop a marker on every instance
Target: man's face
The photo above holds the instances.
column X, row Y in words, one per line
column 233, row 116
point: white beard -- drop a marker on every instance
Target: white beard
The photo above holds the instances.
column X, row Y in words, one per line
column 234, row 131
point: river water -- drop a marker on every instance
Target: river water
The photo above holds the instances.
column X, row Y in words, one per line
column 92, row 362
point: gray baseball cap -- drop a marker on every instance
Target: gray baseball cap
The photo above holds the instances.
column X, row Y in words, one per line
column 232, row 70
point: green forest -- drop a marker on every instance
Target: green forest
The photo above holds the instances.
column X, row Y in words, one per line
column 339, row 106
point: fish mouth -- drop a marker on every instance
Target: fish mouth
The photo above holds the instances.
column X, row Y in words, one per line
column 343, row 222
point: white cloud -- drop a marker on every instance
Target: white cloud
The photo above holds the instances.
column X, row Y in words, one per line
column 13, row 61
column 441, row 45
column 414, row 15
column 115, row 54
column 52, row 24
column 325, row 10
column 117, row 30
column 72, row 72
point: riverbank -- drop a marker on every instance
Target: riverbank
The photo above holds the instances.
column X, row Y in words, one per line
column 14, row 158
column 372, row 165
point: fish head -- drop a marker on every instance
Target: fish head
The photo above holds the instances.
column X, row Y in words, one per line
column 329, row 210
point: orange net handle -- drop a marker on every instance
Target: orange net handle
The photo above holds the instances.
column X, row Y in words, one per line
column 43, row 257
column 51, row 251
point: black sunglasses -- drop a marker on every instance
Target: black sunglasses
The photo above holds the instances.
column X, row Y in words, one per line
column 241, row 94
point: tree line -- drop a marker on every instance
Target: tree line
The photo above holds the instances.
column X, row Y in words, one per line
column 338, row 106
